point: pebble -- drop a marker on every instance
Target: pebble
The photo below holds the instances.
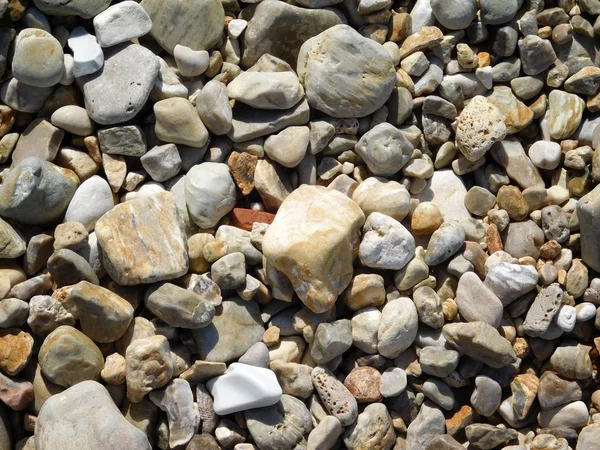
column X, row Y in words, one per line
column 476, row 302
column 178, row 122
column 162, row 162
column 88, row 57
column 571, row 360
column 148, row 366
column 455, row 15
column 545, row 154
column 289, row 146
column 336, row 398
column 365, row 325
column 487, row 395
column 564, row 113
column 266, row 90
column 393, row 382
column 554, row 391
column 38, row 58
column 368, row 84
column 571, row 415
column 398, row 327
column 587, row 212
column 444, row 243
column 386, row 243
column 377, row 194
column 385, row 149
column 428, row 424
column 92, row 199
column 325, row 434
column 73, row 119
column 213, row 107
column 373, row 429
column 536, row 54
column 179, row 307
column 120, row 23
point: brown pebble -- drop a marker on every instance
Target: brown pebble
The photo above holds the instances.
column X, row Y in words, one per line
column 494, row 241
column 363, row 383
column 550, row 250
column 511, row 199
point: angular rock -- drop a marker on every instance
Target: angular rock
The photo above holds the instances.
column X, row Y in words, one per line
column 179, row 307
column 149, row 366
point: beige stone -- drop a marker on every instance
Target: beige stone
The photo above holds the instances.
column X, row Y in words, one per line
column 565, row 112
column 366, row 289
column 148, row 366
column 16, row 347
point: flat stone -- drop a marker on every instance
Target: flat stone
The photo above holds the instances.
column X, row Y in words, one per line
column 69, row 421
column 40, row 139
column 73, row 119
column 571, row 415
column 320, row 281
column 176, row 22
column 487, row 395
column 244, row 387
column 510, row 154
column 143, row 240
column 510, row 281
column 543, row 309
column 368, row 82
column 588, row 213
column 120, row 23
column 447, row 191
column 179, row 307
column 129, row 87
column 477, row 303
column 38, row 58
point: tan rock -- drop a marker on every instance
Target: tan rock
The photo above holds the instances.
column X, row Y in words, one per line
column 565, row 112
column 511, row 199
column 313, row 247
column 16, row 347
column 143, row 240
column 148, row 366
column 272, row 183
column 242, row 166
column 426, row 218
column 114, row 370
column 196, row 244
column 115, row 169
column 516, row 114
column 425, row 38
column 366, row 289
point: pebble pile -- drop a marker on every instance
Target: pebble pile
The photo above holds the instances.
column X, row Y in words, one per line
column 300, row 225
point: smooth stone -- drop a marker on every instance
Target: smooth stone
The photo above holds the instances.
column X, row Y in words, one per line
column 378, row 194
column 479, row 201
column 571, row 360
column 545, row 154
column 22, row 97
column 236, row 326
column 510, row 154
column 429, row 423
column 190, row 63
column 321, row 280
column 229, row 271
column 398, row 327
column 148, row 366
column 386, row 243
column 176, row 22
column 244, row 387
column 14, row 312
column 454, row 15
column 88, row 57
column 213, row 107
column 83, row 8
column 289, row 146
column 487, row 395
column 588, row 437
column 331, row 340
column 17, row 394
column 73, row 119
column 279, row 426
column 336, row 398
column 28, row 193
column 209, row 193
column 266, row 90
column 143, row 240
column 439, row 392
column 294, row 378
column 447, row 191
column 85, row 360
column 177, row 121
column 495, row 12
column 92, row 199
column 564, row 113
column 571, row 415
column 120, row 23
column 279, row 29
column 40, row 139
column 15, row 350
column 444, row 242
column 384, row 149
column 476, row 302
column 127, row 141
column 437, row 361
column 516, row 114
column 368, row 82
column 70, row 420
column 179, row 307
column 365, row 324
column 325, row 434
column 12, row 243
column 447, row 442
column 484, row 436
column 162, row 162
column 373, row 429
column 588, row 213
column 510, row 281
column 38, row 58
column 523, row 239
column 481, row 342
column 130, row 87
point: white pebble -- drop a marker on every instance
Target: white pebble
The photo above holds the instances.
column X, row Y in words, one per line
column 557, row 195
column 191, row 63
column 236, row 27
column 566, row 318
column 87, row 54
column 585, row 311
column 68, row 77
column 545, row 154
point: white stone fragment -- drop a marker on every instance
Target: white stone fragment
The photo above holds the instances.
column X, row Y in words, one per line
column 236, row 27
column 244, row 387
column 447, row 191
column 566, row 318
column 87, row 54
column 121, row 22
column 585, row 311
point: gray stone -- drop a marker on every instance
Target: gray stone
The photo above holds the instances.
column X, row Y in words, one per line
column 536, row 54
column 336, row 398
column 486, row 436
column 331, row 340
column 128, row 86
column 12, row 243
column 555, row 224
column 476, row 302
column 455, row 14
column 444, row 243
column 373, row 429
column 46, row 314
column 127, row 141
column 571, row 415
column 22, row 97
column 510, row 281
column 437, row 361
column 40, row 139
column 38, row 58
column 543, row 309
column 384, row 149
column 429, row 307
column 176, row 22
column 266, row 90
column 509, row 153
column 213, row 107
column 398, row 327
column 393, row 382
column 588, row 213
column 237, row 325
column 13, row 312
column 229, row 272
column 523, row 239
column 36, row 191
column 325, row 434
column 239, row 240
column 368, row 80
column 572, row 360
column 162, row 162
column 365, row 324
column 73, row 119
column 487, row 395
column 69, row 421
column 439, row 392
column 496, row 12
column 120, row 23
column 386, row 243
column 430, row 422
column 179, row 307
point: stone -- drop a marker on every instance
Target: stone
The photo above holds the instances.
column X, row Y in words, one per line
column 209, row 193
column 445, row 442
column 398, row 327
column 336, row 398
column 92, row 199
column 480, row 125
column 40, row 139
column 213, row 107
column 229, row 272
column 38, row 58
column 444, row 242
column 479, row 201
column 177, row 121
column 293, row 378
column 439, row 392
column 455, row 15
column 127, row 141
column 331, row 340
column 162, row 162
column 364, row 384
column 15, row 393
column 113, row 372
column 523, row 239
column 266, row 90
column 175, row 22
column 22, row 97
column 69, row 421
column 16, row 349
column 85, row 360
column 235, row 327
column 130, row 87
column 571, row 415
column 571, row 360
column 289, row 146
column 378, row 194
column 177, row 400
column 513, row 202
column 481, row 342
column 386, row 243
column 510, row 154
column 588, row 437
column 428, row 423
column 516, row 114
column 201, row 371
column 73, row 119
column 385, row 149
column 487, row 395
column 555, row 224
column 190, row 62
column 373, row 429
column 280, row 29
column 149, row 366
column 476, row 302
column 120, row 23
column 279, row 426
column 564, row 113
column 315, row 286
column 447, row 191
column 486, row 436
column 325, row 434
column 524, row 388
column 244, row 387
column 588, row 213
column 545, row 154
column 368, row 82
column 14, row 312
column 88, row 57
column 179, row 307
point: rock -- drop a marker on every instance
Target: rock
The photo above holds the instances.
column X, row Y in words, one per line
column 175, row 22
column 85, row 360
column 588, row 213
column 487, row 395
column 177, row 121
column 510, row 281
column 177, row 400
column 294, row 379
column 377, row 194
column 234, row 329
column 40, row 139
column 213, row 107
column 446, row 191
column 386, row 243
column 438, row 362
column 536, row 54
column 201, row 371
column 229, row 272
column 331, row 340
column 516, row 115
column 129, row 87
column 373, row 429
column 22, row 97
column 444, row 242
column 588, row 437
column 281, row 426
column 14, row 312
column 46, row 314
column 494, row 12
column 128, row 141
column 571, row 415
column 429, row 422
column 543, row 310
column 16, row 347
column 229, row 390
column 325, row 434
column 120, row 23
column 421, row 39
column 179, row 307
column 336, row 398
column 83, row 8
column 279, row 29
column 73, row 119
column 523, row 239
column 266, row 90
column 524, row 389
column 368, row 82
column 12, row 244
column 545, row 154
column 92, row 199
column 149, row 366
column 455, row 15
column 439, row 392
column 69, row 421
column 315, row 285
column 384, row 149
column 485, row 436
column 479, row 201
column 128, row 232
column 209, row 193
column 510, row 154
column 481, row 342
column 555, row 224
column 364, row 384
column 288, row 147
column 571, row 360
column 445, row 442
column 365, row 324
column 190, row 63
column 476, row 302
column 88, row 57
column 564, row 113
column 480, row 125
column 25, row 194
column 16, row 394
column 398, row 327
column 162, row 162
column 429, row 307
column 38, row 58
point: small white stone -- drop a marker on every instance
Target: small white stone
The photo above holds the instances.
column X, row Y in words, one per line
column 87, row 54
column 121, row 22
column 545, row 154
column 236, row 27
column 566, row 318
column 485, row 75
column 190, row 63
column 557, row 195
column 68, row 77
column 91, row 200
column 585, row 311
column 244, row 387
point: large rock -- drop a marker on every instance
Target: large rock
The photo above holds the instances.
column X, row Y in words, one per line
column 143, row 240
column 119, row 90
column 279, row 29
column 36, row 191
column 345, row 74
column 195, row 24
column 313, row 247
column 588, row 212
column 85, row 417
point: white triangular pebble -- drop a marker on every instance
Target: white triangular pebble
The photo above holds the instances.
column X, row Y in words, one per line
column 88, row 57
